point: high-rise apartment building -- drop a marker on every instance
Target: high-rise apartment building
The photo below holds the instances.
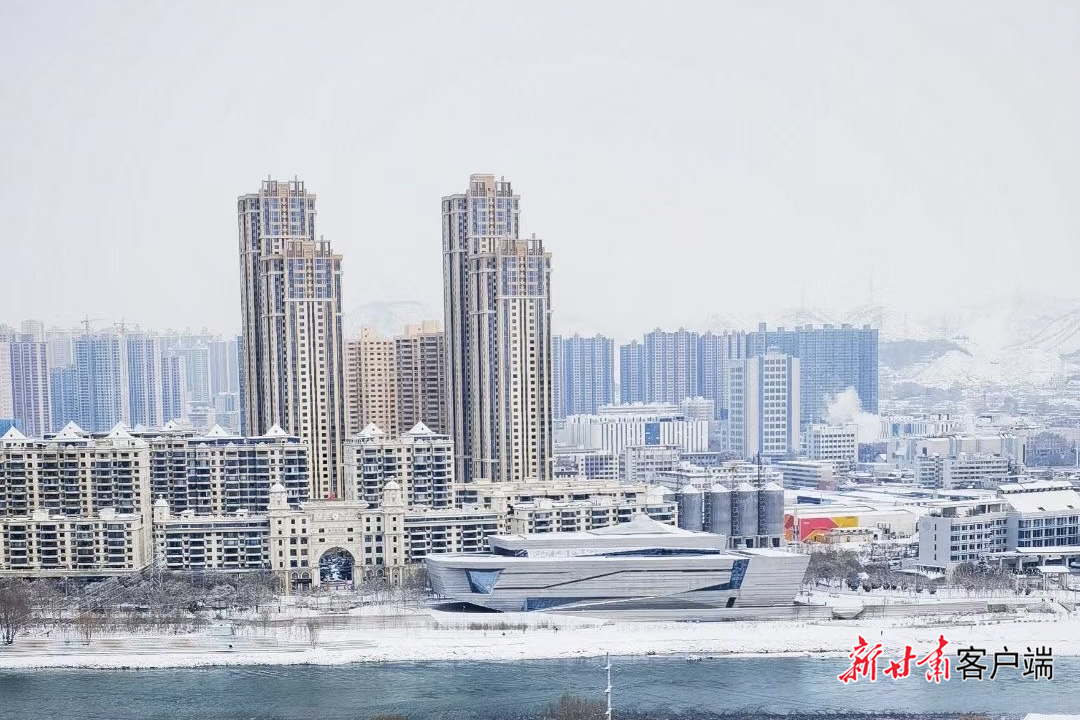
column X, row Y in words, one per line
column 293, row 351
column 497, row 302
column 144, row 380
column 34, row 329
column 224, row 366
column 7, row 395
column 583, row 374
column 831, row 360
column 632, row 385
column 31, row 403
column 665, row 368
column 420, row 355
column 197, row 367
column 64, row 397
column 764, row 396
column 173, row 381
column 101, row 367
column 370, row 383
column 671, row 365
column 61, row 350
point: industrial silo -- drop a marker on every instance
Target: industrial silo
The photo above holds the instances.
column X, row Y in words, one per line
column 720, row 510
column 771, row 510
column 690, row 510
column 744, row 511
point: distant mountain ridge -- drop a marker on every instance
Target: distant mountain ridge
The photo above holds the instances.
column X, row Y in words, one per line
column 1029, row 340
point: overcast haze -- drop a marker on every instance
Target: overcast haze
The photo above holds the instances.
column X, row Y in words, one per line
column 678, row 159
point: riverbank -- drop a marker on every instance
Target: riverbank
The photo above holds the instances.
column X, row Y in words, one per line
column 430, row 635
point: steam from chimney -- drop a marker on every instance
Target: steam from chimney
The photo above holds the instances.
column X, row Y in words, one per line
column 845, row 408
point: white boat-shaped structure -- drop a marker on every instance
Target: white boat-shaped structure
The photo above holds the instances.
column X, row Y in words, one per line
column 641, row 567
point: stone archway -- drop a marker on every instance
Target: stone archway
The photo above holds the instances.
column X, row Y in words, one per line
column 336, row 568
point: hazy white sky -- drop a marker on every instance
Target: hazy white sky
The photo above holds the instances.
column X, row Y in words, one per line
column 677, row 158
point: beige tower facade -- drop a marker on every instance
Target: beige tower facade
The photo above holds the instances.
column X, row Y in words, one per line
column 293, row 358
column 371, row 383
column 420, row 355
column 497, row 300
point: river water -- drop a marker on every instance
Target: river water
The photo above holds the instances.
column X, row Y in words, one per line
column 492, row 690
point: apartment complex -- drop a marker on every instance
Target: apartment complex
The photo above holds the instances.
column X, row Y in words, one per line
column 420, row 462
column 31, row 402
column 764, row 406
column 497, row 300
column 370, row 383
column 670, row 366
column 292, row 333
column 396, row 383
column 79, row 504
column 583, row 374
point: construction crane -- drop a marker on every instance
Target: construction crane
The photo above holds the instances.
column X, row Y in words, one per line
column 85, row 322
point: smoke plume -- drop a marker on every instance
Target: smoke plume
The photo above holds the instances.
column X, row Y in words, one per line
column 845, row 408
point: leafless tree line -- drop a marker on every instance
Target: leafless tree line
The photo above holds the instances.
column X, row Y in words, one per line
column 158, row 602
column 845, row 566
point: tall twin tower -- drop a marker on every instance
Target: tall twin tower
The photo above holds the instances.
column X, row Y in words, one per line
column 497, row 303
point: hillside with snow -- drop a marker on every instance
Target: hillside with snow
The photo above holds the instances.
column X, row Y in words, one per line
column 1030, row 340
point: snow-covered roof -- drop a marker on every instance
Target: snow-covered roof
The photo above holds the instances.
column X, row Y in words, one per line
column 277, row 488
column 370, row 431
column 171, row 425
column 420, row 429
column 640, row 524
column 119, row 432
column 1048, row 501
column 275, row 431
column 71, row 431
column 217, row 431
column 13, row 434
column 391, row 485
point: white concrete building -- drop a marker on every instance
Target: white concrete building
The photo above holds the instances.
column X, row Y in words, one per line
column 419, row 461
column 764, row 397
column 644, row 463
column 834, row 443
column 618, row 427
column 979, row 470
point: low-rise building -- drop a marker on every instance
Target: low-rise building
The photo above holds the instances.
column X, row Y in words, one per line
column 832, row 443
column 1025, row 524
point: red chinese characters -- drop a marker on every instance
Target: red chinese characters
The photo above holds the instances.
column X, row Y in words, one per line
column 863, row 662
column 936, row 661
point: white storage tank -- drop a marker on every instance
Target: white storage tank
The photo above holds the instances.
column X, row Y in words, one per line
column 744, row 511
column 690, row 508
column 771, row 510
column 720, row 510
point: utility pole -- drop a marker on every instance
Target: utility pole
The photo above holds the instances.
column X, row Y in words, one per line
column 607, row 690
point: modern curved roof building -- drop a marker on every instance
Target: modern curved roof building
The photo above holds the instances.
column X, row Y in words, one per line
column 640, row 567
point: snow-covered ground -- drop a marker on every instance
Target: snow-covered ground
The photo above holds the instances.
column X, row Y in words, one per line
column 430, row 635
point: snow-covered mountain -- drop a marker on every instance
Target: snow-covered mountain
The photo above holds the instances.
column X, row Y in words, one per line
column 1018, row 340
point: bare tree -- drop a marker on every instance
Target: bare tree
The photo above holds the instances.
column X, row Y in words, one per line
column 311, row 630
column 15, row 609
column 88, row 623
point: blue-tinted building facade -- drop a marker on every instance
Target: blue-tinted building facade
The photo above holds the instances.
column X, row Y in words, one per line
column 583, row 374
